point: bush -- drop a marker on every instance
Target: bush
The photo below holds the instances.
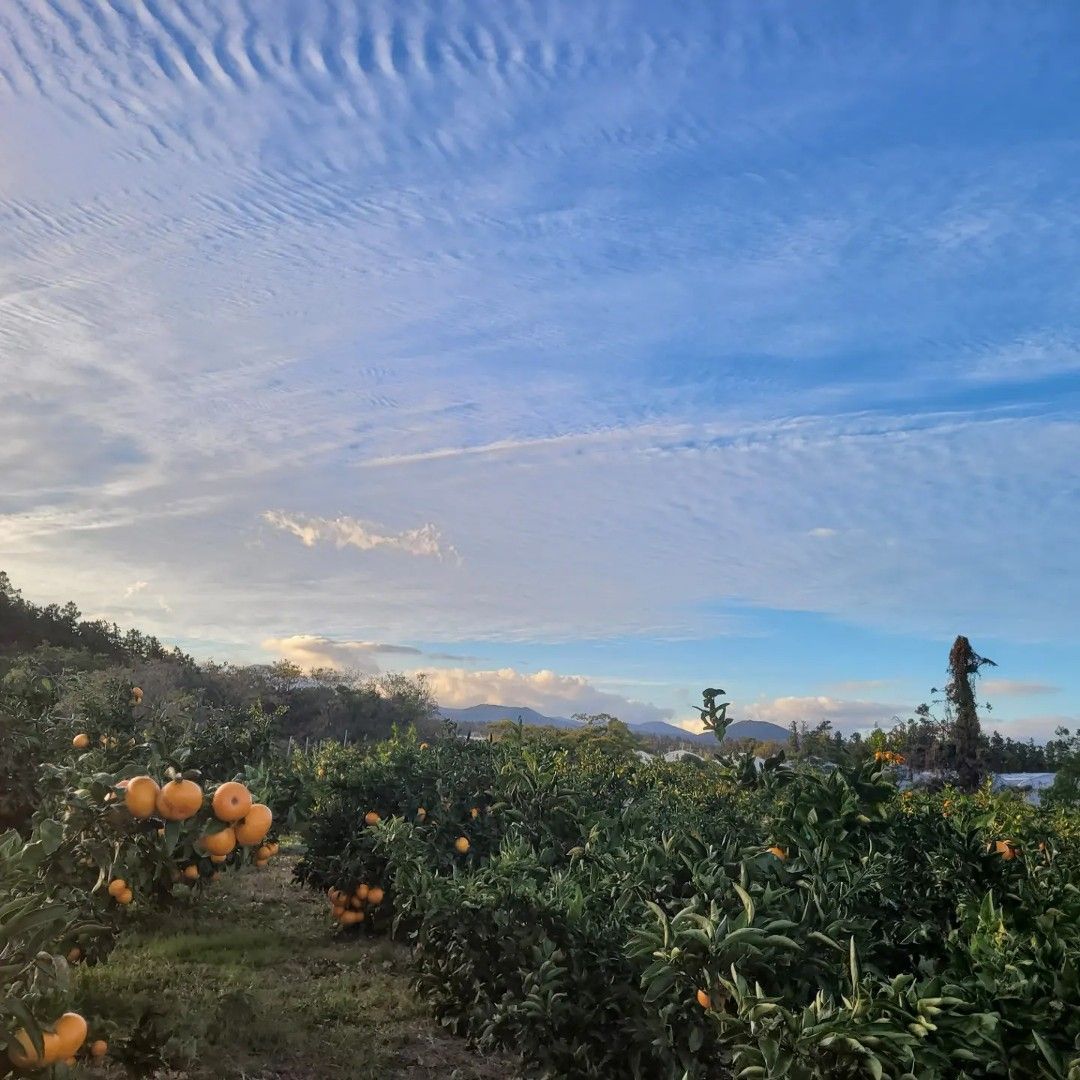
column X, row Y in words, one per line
column 616, row 918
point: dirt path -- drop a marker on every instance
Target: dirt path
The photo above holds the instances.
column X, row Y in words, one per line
column 253, row 983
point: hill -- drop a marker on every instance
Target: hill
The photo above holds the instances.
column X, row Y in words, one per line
column 758, row 730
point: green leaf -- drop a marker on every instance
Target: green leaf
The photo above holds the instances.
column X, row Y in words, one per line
column 747, row 901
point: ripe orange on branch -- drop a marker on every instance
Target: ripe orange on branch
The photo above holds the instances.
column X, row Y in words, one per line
column 256, row 824
column 179, row 800
column 220, row 843
column 24, row 1054
column 231, row 802
column 141, row 795
column 71, row 1031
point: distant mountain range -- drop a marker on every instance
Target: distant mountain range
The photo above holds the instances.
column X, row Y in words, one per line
column 759, row 730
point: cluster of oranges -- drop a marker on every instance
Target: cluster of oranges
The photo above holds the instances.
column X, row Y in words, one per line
column 890, row 757
column 61, row 1044
column 348, row 906
column 241, row 822
column 246, row 824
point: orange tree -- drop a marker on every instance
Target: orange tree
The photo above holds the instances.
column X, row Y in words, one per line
column 614, row 918
column 120, row 824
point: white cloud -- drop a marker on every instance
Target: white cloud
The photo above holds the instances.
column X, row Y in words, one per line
column 545, row 691
column 134, row 587
column 628, row 403
column 315, row 651
column 348, row 532
column 1014, row 688
column 845, row 714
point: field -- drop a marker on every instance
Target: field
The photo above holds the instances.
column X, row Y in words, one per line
column 529, row 906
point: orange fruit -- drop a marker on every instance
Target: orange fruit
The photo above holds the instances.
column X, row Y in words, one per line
column 274, row 848
column 99, row 1048
column 356, row 903
column 1006, row 849
column 179, row 800
column 372, row 818
column 71, row 1030
column 141, row 795
column 779, row 852
column 81, row 741
column 351, row 918
column 375, row 896
column 421, row 813
column 231, row 802
column 704, row 1000
column 27, row 1056
column 461, row 845
column 423, row 746
column 361, row 892
column 191, row 873
column 74, row 954
column 136, row 695
column 217, row 860
column 337, row 911
column 125, row 897
column 264, row 852
column 255, row 826
column 116, row 887
column 219, row 843
column 260, row 863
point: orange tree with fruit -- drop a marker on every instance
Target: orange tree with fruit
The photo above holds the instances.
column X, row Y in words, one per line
column 120, row 825
column 609, row 917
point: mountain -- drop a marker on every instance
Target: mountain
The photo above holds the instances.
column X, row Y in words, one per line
column 759, row 730
column 492, row 714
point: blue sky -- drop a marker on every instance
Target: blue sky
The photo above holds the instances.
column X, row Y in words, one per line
column 581, row 355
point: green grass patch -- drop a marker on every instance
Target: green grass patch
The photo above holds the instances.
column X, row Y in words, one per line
column 253, row 981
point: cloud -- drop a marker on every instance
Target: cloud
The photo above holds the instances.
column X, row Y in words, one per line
column 1037, row 356
column 314, row 651
column 348, row 532
column 1015, row 688
column 134, row 587
column 545, row 691
column 628, row 402
column 846, row 715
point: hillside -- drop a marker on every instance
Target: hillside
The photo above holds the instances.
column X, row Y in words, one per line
column 758, row 730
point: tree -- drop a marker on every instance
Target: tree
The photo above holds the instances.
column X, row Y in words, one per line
column 964, row 665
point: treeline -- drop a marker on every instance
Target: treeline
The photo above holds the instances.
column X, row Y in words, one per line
column 25, row 626
column 927, row 745
column 51, row 640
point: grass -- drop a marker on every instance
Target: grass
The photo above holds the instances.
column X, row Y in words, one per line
column 254, row 982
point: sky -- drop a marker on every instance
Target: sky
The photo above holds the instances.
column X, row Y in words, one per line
column 581, row 355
